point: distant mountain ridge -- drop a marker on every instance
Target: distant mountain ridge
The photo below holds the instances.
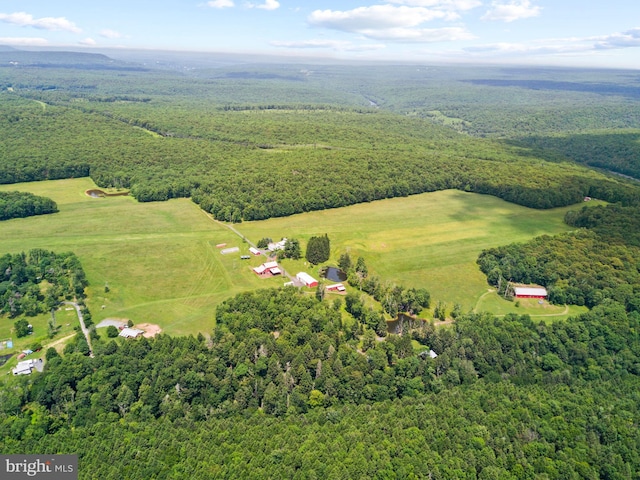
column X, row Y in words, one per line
column 63, row 59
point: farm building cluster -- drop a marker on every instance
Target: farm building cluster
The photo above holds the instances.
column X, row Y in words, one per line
column 25, row 367
column 268, row 269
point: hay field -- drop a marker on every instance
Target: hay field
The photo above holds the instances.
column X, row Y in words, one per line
column 430, row 240
column 159, row 260
column 162, row 266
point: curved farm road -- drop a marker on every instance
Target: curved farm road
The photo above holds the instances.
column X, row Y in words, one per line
column 85, row 330
column 490, row 290
column 564, row 312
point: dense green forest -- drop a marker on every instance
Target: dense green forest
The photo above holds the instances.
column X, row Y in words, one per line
column 505, row 398
column 371, row 156
column 24, row 204
column 617, row 151
column 616, row 223
column 579, row 268
column 38, row 281
column 265, row 141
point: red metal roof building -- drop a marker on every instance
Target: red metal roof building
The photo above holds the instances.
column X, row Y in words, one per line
column 530, row 292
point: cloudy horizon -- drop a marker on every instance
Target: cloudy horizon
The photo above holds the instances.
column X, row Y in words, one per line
column 496, row 31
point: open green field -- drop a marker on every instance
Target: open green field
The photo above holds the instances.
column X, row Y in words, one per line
column 162, row 266
column 159, row 260
column 430, row 240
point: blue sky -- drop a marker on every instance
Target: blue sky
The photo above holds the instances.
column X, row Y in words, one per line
column 553, row 32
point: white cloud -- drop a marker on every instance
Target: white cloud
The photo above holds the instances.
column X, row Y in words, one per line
column 375, row 17
column 106, row 33
column 267, row 5
column 330, row 44
column 630, row 38
column 562, row 46
column 511, row 11
column 26, row 41
column 88, row 42
column 221, row 4
column 391, row 23
column 46, row 23
column 420, row 35
column 441, row 4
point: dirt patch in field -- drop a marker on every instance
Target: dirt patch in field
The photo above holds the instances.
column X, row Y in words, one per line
column 116, row 322
column 150, row 329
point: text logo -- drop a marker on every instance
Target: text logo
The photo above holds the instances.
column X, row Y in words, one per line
column 46, row 467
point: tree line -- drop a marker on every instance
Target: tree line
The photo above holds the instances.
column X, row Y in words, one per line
column 24, row 204
column 394, row 299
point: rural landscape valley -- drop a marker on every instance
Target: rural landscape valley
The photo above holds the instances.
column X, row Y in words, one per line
column 484, row 221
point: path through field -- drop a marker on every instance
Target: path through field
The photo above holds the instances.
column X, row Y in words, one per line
column 475, row 309
column 85, row 330
column 59, row 341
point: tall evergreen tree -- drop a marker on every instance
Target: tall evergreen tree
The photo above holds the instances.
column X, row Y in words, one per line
column 318, row 249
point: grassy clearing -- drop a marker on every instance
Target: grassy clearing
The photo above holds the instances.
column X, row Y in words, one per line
column 162, row 266
column 544, row 311
column 430, row 240
column 158, row 259
column 66, row 320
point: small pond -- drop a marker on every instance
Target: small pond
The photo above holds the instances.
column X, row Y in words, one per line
column 5, row 358
column 334, row 274
column 95, row 193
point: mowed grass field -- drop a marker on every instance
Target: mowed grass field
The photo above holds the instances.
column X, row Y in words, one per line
column 159, row 260
column 430, row 240
column 162, row 266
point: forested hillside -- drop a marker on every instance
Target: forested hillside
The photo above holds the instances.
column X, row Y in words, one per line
column 505, row 398
column 615, row 151
column 254, row 164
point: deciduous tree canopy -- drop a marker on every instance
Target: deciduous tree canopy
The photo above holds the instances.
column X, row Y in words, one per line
column 24, row 204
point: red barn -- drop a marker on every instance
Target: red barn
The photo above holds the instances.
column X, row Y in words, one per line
column 307, row 279
column 530, row 292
